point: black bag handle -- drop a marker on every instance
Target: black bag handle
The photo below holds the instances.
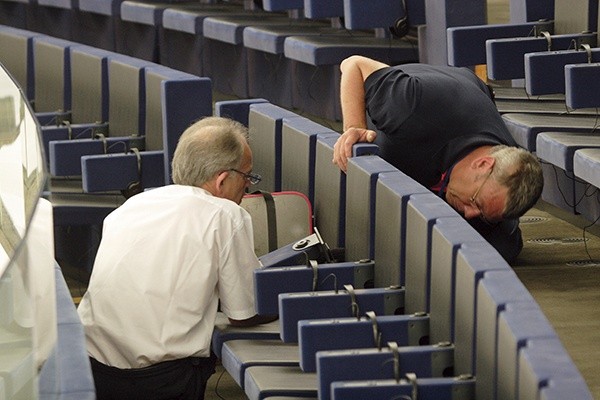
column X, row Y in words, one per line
column 271, row 218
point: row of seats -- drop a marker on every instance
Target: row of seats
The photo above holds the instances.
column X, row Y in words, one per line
column 438, row 303
column 286, row 51
column 123, row 114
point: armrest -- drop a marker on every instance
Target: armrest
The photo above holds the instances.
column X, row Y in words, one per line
column 545, row 71
column 505, row 57
column 282, row 5
column 64, row 132
column 363, row 364
column 582, row 85
column 461, row 387
column 236, row 109
column 270, row 282
column 466, row 44
column 49, row 118
column 294, row 307
column 65, row 155
column 107, row 172
column 349, row 333
column 372, row 14
column 318, row 9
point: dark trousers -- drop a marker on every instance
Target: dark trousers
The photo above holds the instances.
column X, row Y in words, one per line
column 183, row 379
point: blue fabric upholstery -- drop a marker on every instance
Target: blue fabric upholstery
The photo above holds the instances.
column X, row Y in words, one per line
column 298, row 145
column 545, row 360
column 106, row 172
column 495, row 291
column 422, row 213
column 330, row 194
column 428, row 389
column 581, row 85
column 447, row 237
column 270, row 282
column 561, row 188
column 518, row 324
column 67, row 373
column 545, row 71
column 524, row 128
column 349, row 333
column 294, row 307
column 236, row 109
column 346, row 365
column 473, row 261
column 585, row 165
column 361, row 185
column 466, row 44
column 505, row 57
column 264, row 125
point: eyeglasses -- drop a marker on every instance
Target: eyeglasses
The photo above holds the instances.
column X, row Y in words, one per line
column 474, row 197
column 250, row 177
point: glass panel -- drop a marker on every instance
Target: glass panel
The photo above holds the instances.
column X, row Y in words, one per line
column 22, row 177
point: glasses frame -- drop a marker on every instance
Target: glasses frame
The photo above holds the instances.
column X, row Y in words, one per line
column 474, row 197
column 251, row 177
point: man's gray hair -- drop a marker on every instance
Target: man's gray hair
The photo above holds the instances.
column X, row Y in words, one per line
column 521, row 173
column 206, row 148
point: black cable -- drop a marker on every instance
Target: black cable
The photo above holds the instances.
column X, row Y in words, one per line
column 587, row 250
column 125, row 147
column 217, row 385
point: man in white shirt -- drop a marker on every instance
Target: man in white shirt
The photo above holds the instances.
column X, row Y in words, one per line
column 168, row 256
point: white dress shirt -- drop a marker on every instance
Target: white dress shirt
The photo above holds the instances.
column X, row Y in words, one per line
column 166, row 258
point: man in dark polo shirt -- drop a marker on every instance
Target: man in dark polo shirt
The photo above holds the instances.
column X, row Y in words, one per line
column 440, row 126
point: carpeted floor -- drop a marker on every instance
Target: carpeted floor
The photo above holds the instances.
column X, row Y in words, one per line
column 560, row 265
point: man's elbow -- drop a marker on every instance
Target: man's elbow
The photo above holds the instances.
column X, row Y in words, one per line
column 252, row 321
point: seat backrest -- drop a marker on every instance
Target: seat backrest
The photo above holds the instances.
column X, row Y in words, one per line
column 581, row 85
column 530, row 10
column 383, row 13
column 448, row 235
column 393, row 191
column 16, row 54
column 175, row 97
column 52, row 74
column 174, row 101
column 127, row 97
column 323, row 9
column 298, row 146
column 237, row 110
column 422, row 213
column 575, row 16
column 361, row 184
column 282, row 5
column 472, row 261
column 330, row 194
column 89, row 84
column 264, row 125
column 494, row 292
column 518, row 324
column 546, row 363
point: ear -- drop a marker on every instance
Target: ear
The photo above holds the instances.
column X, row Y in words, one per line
column 220, row 182
column 483, row 163
column 215, row 186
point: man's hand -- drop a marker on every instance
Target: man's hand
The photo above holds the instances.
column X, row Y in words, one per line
column 342, row 150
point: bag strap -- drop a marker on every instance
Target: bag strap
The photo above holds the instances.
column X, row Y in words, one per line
column 271, row 218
